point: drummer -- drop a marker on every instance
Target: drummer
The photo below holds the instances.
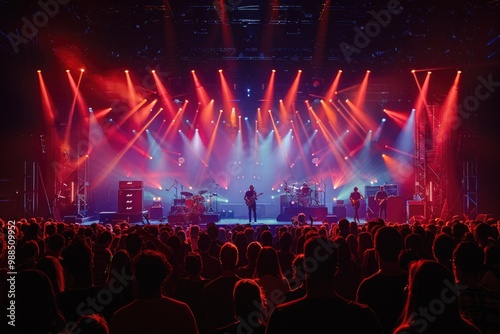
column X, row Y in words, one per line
column 306, row 190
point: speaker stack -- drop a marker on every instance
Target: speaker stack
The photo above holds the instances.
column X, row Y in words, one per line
column 415, row 209
column 130, row 196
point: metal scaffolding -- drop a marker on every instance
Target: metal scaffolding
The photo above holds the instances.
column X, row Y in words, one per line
column 430, row 178
column 30, row 191
column 470, row 187
column 82, row 188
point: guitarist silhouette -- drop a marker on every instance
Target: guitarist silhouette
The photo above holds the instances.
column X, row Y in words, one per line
column 250, row 200
column 381, row 198
column 355, row 199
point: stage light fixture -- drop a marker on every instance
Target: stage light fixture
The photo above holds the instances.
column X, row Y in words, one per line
column 39, row 71
column 153, row 71
column 383, row 120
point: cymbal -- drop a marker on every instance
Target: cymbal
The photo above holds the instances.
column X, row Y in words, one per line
column 201, row 192
column 186, row 193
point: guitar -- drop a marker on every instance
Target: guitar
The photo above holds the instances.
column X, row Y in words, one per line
column 381, row 201
column 250, row 201
column 355, row 201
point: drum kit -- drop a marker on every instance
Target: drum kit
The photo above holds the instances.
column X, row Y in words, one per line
column 196, row 203
column 304, row 195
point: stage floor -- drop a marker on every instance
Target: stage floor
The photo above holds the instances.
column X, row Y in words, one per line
column 227, row 221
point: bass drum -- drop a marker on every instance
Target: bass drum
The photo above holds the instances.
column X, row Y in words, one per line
column 304, row 201
column 189, row 203
column 200, row 208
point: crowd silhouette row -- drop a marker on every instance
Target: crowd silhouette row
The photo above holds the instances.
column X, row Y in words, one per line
column 379, row 277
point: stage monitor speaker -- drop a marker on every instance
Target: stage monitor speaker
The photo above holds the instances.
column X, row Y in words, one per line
column 339, row 211
column 69, row 219
column 331, row 219
column 156, row 213
column 130, row 200
column 415, row 208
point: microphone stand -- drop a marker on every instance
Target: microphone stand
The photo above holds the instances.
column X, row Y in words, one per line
column 174, row 185
column 216, row 185
column 324, row 192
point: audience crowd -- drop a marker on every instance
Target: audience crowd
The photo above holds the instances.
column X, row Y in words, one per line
column 379, row 277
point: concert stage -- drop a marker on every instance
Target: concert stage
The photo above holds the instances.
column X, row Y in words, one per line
column 319, row 213
column 193, row 218
column 118, row 217
column 138, row 217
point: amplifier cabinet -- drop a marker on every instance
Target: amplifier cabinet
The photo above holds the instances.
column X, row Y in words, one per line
column 130, row 185
column 130, row 200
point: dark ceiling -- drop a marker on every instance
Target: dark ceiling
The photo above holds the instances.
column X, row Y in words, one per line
column 112, row 32
column 248, row 38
